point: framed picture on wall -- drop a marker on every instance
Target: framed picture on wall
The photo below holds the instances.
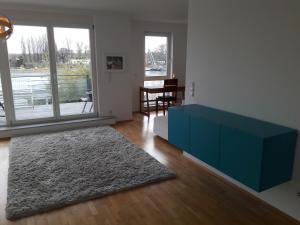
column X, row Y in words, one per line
column 114, row 62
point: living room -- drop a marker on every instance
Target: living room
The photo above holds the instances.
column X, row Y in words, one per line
column 88, row 137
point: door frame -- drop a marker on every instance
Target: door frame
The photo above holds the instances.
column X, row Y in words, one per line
column 7, row 85
column 92, row 68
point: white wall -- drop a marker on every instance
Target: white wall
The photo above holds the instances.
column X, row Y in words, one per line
column 179, row 36
column 113, row 35
column 38, row 16
column 244, row 57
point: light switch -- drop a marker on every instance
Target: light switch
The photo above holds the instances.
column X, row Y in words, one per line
column 192, row 89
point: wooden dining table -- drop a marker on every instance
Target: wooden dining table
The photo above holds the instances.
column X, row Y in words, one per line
column 144, row 97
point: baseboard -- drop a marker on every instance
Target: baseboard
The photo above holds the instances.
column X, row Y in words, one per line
column 7, row 132
column 212, row 169
column 285, row 191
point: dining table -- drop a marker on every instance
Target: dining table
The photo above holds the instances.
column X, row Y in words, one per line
column 144, row 97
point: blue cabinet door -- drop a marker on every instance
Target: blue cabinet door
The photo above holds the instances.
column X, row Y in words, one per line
column 278, row 159
column 204, row 142
column 241, row 156
column 179, row 128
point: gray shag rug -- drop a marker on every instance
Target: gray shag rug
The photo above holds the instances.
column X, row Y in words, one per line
column 49, row 171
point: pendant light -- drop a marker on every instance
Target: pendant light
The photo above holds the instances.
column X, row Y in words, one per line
column 6, row 27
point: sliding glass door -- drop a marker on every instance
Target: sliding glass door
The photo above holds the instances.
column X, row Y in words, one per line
column 73, row 65
column 29, row 64
column 51, row 74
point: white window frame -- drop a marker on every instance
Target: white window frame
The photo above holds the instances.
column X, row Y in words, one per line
column 169, row 57
column 7, row 86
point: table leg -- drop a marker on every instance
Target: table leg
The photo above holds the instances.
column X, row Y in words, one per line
column 141, row 99
column 148, row 106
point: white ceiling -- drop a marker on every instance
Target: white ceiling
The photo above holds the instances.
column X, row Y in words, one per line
column 156, row 10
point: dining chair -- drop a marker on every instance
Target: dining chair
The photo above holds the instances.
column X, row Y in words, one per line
column 86, row 99
column 2, row 106
column 169, row 95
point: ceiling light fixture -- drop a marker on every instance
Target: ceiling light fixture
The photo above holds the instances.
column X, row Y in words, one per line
column 6, row 27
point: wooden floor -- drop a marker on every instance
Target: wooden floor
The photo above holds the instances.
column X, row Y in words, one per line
column 196, row 196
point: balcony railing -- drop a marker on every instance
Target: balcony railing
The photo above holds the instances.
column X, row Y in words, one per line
column 33, row 96
column 30, row 91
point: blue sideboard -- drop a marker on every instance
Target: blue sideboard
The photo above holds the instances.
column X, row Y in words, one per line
column 259, row 154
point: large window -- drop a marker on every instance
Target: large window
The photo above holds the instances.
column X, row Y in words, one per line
column 157, row 58
column 51, row 74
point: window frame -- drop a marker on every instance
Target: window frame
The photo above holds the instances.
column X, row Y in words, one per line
column 169, row 55
column 94, row 113
column 8, row 92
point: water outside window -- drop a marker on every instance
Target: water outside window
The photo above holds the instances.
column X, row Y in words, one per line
column 154, row 83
